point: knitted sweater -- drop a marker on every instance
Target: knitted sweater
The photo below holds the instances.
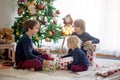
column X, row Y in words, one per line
column 24, row 49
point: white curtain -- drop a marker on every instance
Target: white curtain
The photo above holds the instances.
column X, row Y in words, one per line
column 102, row 19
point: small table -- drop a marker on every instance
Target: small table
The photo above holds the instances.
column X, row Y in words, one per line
column 10, row 48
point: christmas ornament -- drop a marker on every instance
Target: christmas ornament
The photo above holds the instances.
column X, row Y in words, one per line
column 17, row 33
column 31, row 7
column 57, row 12
column 37, row 38
column 43, row 20
column 53, row 15
column 49, row 33
column 47, row 39
column 53, row 31
column 19, row 11
column 54, row 21
column 40, row 6
column 63, row 33
column 22, row 0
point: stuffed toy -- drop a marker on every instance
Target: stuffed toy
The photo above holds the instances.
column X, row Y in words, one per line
column 6, row 35
column 67, row 28
column 1, row 36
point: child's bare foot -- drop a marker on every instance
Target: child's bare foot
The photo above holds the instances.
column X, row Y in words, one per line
column 32, row 69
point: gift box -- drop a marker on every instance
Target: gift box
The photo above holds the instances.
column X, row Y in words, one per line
column 61, row 64
column 49, row 66
column 91, row 58
column 90, row 52
column 107, row 70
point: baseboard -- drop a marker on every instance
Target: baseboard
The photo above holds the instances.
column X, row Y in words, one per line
column 99, row 55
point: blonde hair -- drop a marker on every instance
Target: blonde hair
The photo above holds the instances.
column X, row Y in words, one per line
column 80, row 23
column 74, row 41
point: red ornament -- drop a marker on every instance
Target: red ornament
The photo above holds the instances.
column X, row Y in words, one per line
column 54, row 21
column 53, row 15
column 43, row 21
column 57, row 12
column 22, row 0
column 53, row 31
column 40, row 6
column 19, row 11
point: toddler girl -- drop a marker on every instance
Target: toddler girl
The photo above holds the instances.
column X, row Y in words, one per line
column 80, row 61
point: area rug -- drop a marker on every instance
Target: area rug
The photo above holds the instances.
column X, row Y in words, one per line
column 12, row 74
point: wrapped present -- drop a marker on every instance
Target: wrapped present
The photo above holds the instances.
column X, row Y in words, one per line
column 44, row 51
column 91, row 47
column 49, row 66
column 58, row 51
column 91, row 58
column 107, row 70
column 41, row 50
column 90, row 52
column 61, row 64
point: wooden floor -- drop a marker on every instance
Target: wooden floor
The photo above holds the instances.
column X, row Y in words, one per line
column 99, row 55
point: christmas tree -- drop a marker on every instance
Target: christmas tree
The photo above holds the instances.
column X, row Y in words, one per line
column 42, row 11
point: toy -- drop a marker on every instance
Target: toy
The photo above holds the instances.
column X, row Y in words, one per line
column 31, row 7
column 6, row 36
column 68, row 29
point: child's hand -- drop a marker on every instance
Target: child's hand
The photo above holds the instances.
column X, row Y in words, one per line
column 87, row 43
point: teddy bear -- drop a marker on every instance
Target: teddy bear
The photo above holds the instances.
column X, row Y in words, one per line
column 67, row 28
column 6, row 37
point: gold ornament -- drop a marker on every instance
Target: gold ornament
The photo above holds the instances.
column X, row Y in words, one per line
column 37, row 38
column 50, row 33
column 17, row 33
column 47, row 39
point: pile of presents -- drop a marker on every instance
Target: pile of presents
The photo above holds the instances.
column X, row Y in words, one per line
column 60, row 64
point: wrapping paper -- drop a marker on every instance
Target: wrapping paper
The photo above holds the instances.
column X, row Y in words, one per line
column 61, row 64
column 49, row 66
column 91, row 58
column 90, row 52
column 107, row 70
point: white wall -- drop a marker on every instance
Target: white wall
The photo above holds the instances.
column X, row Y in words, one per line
column 8, row 11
